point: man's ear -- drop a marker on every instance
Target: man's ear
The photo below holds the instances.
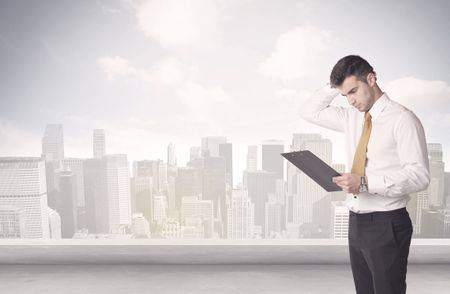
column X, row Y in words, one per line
column 372, row 79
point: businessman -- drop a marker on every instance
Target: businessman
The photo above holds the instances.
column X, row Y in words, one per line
column 387, row 153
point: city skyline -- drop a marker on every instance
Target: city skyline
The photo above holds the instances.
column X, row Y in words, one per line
column 110, row 195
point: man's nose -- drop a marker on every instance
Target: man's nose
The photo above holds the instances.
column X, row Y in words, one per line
column 351, row 101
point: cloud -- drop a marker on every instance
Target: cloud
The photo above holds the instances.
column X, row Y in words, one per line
column 192, row 23
column 116, row 66
column 430, row 98
column 298, row 53
column 202, row 102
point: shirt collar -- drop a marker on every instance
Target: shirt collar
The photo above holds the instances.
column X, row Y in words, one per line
column 378, row 106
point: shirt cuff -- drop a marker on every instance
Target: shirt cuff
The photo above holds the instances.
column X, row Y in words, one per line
column 376, row 185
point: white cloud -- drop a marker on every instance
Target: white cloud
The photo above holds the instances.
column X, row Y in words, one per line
column 429, row 98
column 116, row 66
column 202, row 102
column 298, row 53
column 192, row 23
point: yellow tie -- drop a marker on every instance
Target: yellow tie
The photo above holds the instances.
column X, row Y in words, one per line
column 359, row 161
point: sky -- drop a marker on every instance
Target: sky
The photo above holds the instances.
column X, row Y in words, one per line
column 155, row 72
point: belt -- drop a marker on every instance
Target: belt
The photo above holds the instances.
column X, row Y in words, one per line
column 380, row 214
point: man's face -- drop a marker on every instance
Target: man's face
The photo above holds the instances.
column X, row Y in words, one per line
column 359, row 94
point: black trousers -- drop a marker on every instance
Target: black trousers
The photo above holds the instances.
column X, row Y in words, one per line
column 379, row 247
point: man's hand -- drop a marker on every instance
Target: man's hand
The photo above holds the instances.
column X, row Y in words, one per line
column 348, row 182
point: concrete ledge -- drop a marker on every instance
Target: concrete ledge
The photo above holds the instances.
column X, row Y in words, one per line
column 163, row 251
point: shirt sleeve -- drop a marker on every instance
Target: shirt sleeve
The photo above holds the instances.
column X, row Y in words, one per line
column 414, row 175
column 317, row 110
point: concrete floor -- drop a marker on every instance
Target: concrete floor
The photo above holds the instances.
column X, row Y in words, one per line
column 215, row 279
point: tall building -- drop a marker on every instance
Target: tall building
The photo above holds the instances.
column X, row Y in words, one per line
column 272, row 161
column 96, row 195
column 213, row 179
column 98, row 143
column 226, row 151
column 53, row 143
column 23, row 196
column 260, row 184
column 252, row 158
column 53, row 152
column 142, row 195
column 69, row 211
column 171, row 156
column 210, row 145
column 433, row 196
column 187, row 183
column 118, row 185
column 75, row 165
column 240, row 216
column 339, row 220
column 275, row 218
column 437, row 175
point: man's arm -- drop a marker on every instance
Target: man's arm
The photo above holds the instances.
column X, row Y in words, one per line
column 414, row 175
column 317, row 110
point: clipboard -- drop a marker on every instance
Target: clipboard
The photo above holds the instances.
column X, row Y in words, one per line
column 315, row 168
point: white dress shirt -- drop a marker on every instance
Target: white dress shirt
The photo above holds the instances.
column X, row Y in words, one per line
column 397, row 158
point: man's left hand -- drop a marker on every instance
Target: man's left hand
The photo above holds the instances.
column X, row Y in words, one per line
column 348, row 182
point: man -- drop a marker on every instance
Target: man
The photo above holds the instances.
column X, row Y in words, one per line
column 387, row 153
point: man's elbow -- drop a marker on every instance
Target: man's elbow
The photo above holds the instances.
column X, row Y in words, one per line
column 425, row 180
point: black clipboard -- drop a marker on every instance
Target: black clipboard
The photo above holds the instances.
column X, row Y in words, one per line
column 315, row 168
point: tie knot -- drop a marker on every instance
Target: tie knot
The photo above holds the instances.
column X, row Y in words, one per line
column 367, row 116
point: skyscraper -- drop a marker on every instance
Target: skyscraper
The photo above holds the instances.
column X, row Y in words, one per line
column 53, row 153
column 187, row 183
column 143, row 196
column 171, row 156
column 75, row 165
column 53, row 143
column 99, row 143
column 118, row 186
column 226, row 151
column 275, row 218
column 69, row 211
column 433, row 196
column 437, row 170
column 23, row 196
column 96, row 195
column 240, row 216
column 272, row 161
column 252, row 158
column 213, row 170
column 260, row 184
